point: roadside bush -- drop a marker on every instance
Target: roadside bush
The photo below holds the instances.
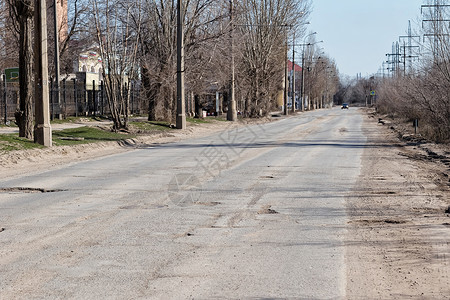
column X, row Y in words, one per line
column 425, row 97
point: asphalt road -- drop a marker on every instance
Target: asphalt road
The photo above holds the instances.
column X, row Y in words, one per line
column 249, row 213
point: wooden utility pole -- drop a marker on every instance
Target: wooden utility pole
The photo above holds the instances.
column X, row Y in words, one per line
column 181, row 113
column 42, row 129
column 232, row 112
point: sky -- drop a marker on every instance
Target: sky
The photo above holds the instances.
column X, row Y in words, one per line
column 357, row 34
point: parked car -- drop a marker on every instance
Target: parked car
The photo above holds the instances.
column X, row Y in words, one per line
column 344, row 106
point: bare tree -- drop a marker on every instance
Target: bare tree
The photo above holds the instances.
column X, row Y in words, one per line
column 265, row 27
column 118, row 25
column 259, row 30
column 21, row 12
column 9, row 37
column 158, row 51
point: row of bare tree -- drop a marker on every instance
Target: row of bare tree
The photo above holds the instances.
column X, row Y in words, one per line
column 17, row 48
column 321, row 78
column 137, row 42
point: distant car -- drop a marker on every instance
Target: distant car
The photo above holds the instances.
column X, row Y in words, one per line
column 344, row 106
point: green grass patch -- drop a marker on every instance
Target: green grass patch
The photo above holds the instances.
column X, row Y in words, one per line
column 11, row 142
column 89, row 135
column 150, row 126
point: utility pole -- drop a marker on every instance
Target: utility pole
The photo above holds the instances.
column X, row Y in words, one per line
column 286, row 81
column 57, row 99
column 302, row 87
column 293, row 74
column 232, row 112
column 181, row 114
column 4, row 99
column 42, row 129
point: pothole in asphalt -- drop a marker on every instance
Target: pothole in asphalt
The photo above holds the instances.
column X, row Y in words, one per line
column 447, row 211
column 29, row 190
column 391, row 221
column 377, row 221
column 213, row 203
column 267, row 210
column 267, row 177
column 384, row 193
column 141, row 207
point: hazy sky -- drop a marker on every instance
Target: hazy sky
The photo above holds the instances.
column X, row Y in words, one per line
column 359, row 33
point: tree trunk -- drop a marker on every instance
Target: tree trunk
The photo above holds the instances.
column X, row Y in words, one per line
column 24, row 115
column 198, row 107
column 150, row 93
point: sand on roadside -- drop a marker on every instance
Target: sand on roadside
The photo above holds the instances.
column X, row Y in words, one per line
column 398, row 238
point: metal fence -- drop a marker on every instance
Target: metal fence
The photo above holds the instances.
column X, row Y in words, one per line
column 76, row 98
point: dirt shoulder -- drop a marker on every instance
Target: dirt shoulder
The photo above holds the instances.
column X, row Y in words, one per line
column 398, row 244
column 16, row 163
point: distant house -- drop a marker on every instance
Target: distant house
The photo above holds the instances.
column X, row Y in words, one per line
column 298, row 69
column 88, row 61
column 298, row 80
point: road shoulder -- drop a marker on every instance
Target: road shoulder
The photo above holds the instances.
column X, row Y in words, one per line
column 397, row 242
column 19, row 162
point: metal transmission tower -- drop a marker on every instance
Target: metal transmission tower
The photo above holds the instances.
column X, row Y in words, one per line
column 435, row 22
column 394, row 59
column 384, row 68
column 409, row 51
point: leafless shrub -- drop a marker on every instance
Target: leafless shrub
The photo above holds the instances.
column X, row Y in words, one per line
column 425, row 94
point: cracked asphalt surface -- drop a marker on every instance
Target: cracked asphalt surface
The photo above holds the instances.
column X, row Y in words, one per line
column 251, row 212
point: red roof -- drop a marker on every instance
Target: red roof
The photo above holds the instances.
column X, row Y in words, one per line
column 297, row 67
